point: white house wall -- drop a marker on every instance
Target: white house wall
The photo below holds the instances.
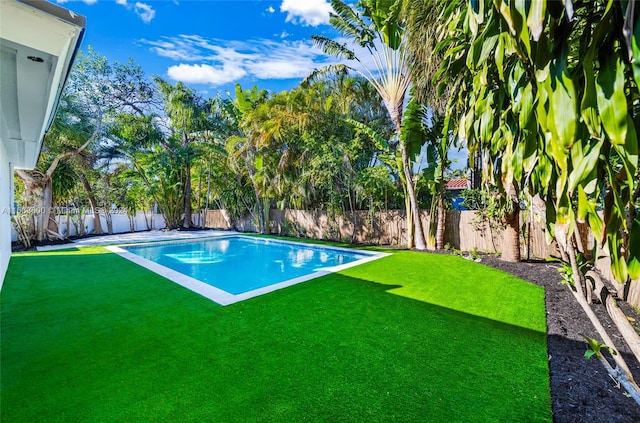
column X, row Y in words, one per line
column 6, row 180
column 38, row 43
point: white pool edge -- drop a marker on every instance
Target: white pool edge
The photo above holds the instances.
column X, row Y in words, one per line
column 223, row 297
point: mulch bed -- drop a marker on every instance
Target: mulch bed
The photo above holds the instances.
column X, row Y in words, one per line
column 581, row 389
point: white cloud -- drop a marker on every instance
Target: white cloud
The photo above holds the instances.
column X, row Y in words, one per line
column 145, row 12
column 280, row 69
column 206, row 74
column 270, row 9
column 217, row 62
column 306, row 12
column 89, row 2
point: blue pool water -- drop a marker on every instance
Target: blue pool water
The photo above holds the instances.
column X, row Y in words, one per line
column 239, row 264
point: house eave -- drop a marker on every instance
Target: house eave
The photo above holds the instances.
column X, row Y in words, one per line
column 39, row 41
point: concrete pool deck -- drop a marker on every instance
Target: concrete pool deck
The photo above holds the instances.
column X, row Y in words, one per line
column 222, row 297
column 114, row 242
column 135, row 237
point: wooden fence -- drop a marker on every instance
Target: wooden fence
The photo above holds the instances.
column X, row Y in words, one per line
column 465, row 230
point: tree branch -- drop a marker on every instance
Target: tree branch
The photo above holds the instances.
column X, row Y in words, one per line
column 75, row 152
column 26, row 176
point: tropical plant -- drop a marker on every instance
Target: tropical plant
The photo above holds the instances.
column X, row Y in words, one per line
column 422, row 23
column 95, row 92
column 71, row 133
column 188, row 124
column 155, row 158
column 547, row 94
column 244, row 149
column 375, row 28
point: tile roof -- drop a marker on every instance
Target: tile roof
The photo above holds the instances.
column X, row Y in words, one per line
column 455, row 184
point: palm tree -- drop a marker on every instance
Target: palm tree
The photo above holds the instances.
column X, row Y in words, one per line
column 188, row 123
column 244, row 146
column 376, row 28
column 422, row 21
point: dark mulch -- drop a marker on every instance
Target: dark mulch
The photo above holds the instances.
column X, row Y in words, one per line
column 581, row 389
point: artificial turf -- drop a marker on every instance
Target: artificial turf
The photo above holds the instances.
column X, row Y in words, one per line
column 89, row 336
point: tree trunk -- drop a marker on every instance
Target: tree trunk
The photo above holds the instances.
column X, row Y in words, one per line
column 415, row 210
column 617, row 315
column 411, row 228
column 441, row 223
column 186, row 223
column 511, row 234
column 621, row 372
column 97, row 224
column 42, row 218
column 68, row 224
column 632, row 292
column 108, row 217
column 146, row 220
column 632, row 287
column 252, row 177
column 261, row 222
column 266, row 207
column 42, row 186
column 511, row 237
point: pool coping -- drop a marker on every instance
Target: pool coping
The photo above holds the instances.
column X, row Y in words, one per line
column 220, row 296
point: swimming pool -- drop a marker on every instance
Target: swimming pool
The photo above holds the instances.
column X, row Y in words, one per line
column 233, row 268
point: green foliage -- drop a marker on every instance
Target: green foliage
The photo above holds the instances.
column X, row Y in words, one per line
column 64, row 182
column 385, row 17
column 475, row 199
column 595, row 348
column 299, row 149
column 566, row 270
column 548, row 95
column 413, row 133
column 377, row 27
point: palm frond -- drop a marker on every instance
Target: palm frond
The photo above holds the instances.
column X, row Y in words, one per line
column 325, row 72
column 423, row 33
column 350, row 24
column 333, row 48
column 380, row 142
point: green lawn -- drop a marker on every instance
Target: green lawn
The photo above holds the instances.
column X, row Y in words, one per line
column 89, row 336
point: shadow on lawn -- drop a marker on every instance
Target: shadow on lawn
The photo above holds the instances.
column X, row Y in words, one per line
column 336, row 348
column 461, row 362
column 448, row 358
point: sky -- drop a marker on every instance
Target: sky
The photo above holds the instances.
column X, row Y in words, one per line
column 211, row 45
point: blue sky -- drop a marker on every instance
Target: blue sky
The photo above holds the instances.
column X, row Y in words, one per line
column 211, row 44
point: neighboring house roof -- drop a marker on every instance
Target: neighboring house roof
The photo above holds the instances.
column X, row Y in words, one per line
column 457, row 184
column 39, row 41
